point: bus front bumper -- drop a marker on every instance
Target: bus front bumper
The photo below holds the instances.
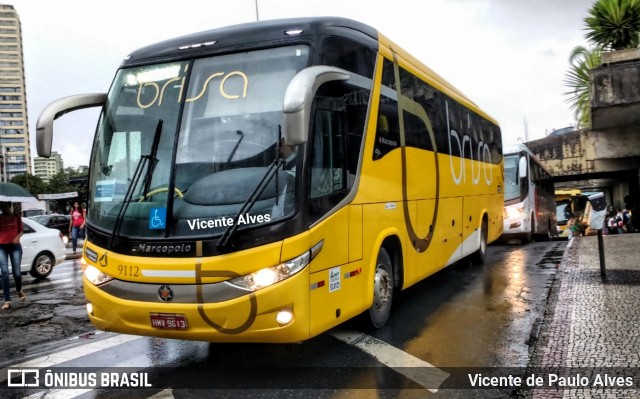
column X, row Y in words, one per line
column 519, row 227
column 260, row 316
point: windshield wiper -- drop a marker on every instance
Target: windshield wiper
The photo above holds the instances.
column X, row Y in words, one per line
column 225, row 239
column 233, row 152
column 152, row 160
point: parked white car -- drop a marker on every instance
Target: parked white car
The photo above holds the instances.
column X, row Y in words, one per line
column 42, row 249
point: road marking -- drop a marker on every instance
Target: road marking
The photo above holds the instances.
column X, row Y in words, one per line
column 71, row 354
column 139, row 362
column 58, row 394
column 166, row 394
column 50, row 282
column 417, row 370
column 404, row 363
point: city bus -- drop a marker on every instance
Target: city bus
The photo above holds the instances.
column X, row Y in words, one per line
column 266, row 182
column 529, row 202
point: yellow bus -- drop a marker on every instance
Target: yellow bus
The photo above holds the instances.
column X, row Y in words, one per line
column 570, row 206
column 268, row 181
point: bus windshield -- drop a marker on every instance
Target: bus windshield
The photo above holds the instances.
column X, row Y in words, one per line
column 207, row 130
column 511, row 178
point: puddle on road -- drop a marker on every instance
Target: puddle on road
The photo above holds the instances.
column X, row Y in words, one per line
column 551, row 259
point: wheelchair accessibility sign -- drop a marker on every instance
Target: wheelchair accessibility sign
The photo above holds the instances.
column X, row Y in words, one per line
column 157, row 218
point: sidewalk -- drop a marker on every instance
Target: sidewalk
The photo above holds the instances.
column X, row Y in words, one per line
column 594, row 328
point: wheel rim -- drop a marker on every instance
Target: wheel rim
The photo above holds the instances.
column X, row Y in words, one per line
column 382, row 289
column 43, row 264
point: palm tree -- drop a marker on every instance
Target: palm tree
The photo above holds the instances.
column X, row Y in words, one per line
column 582, row 61
column 614, row 24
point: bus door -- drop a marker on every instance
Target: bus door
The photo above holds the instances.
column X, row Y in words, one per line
column 336, row 280
column 327, row 187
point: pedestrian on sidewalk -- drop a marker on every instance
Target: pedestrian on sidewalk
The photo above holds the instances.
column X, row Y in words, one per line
column 620, row 222
column 76, row 226
column 11, row 230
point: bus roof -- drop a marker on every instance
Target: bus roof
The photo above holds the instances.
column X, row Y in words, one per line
column 515, row 148
column 273, row 32
column 236, row 37
column 512, row 149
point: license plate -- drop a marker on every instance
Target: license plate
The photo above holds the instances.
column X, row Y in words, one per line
column 169, row 321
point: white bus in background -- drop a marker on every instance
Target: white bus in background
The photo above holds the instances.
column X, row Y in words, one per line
column 529, row 202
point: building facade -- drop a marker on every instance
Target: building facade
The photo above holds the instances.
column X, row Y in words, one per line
column 14, row 127
column 605, row 157
column 44, row 168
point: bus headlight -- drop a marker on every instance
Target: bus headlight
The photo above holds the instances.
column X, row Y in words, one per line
column 271, row 275
column 95, row 276
column 514, row 212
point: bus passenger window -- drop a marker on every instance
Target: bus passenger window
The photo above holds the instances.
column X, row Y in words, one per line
column 387, row 130
column 327, row 167
column 336, row 139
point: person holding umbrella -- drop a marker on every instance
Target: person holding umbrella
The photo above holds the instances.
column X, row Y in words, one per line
column 11, row 230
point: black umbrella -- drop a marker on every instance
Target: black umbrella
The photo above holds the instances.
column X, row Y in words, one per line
column 11, row 192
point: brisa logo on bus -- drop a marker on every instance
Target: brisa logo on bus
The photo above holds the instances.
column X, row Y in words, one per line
column 481, row 164
column 158, row 93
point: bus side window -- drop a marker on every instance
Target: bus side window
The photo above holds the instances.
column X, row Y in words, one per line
column 327, row 169
column 337, row 129
column 387, row 130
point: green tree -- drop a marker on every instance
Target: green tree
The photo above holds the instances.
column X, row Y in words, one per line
column 614, row 24
column 59, row 183
column 34, row 184
column 78, row 173
column 582, row 61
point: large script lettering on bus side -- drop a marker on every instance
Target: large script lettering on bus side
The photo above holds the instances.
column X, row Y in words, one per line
column 464, row 146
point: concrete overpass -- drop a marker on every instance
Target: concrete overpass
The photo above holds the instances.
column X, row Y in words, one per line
column 607, row 156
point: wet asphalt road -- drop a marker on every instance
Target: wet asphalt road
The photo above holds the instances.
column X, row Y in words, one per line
column 464, row 316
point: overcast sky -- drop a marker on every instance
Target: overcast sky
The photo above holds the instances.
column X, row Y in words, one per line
column 508, row 56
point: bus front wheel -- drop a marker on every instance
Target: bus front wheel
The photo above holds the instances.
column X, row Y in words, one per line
column 382, row 291
column 529, row 236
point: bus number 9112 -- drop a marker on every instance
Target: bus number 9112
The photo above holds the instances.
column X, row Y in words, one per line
column 128, row 271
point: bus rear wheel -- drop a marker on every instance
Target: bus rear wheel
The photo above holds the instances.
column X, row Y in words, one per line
column 379, row 312
column 480, row 255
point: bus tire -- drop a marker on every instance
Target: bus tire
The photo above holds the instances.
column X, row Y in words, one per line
column 480, row 256
column 529, row 236
column 378, row 314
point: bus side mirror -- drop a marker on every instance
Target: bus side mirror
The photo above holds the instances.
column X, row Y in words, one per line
column 44, row 126
column 298, row 99
column 522, row 168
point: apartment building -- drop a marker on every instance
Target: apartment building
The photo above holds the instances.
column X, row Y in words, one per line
column 44, row 168
column 14, row 127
